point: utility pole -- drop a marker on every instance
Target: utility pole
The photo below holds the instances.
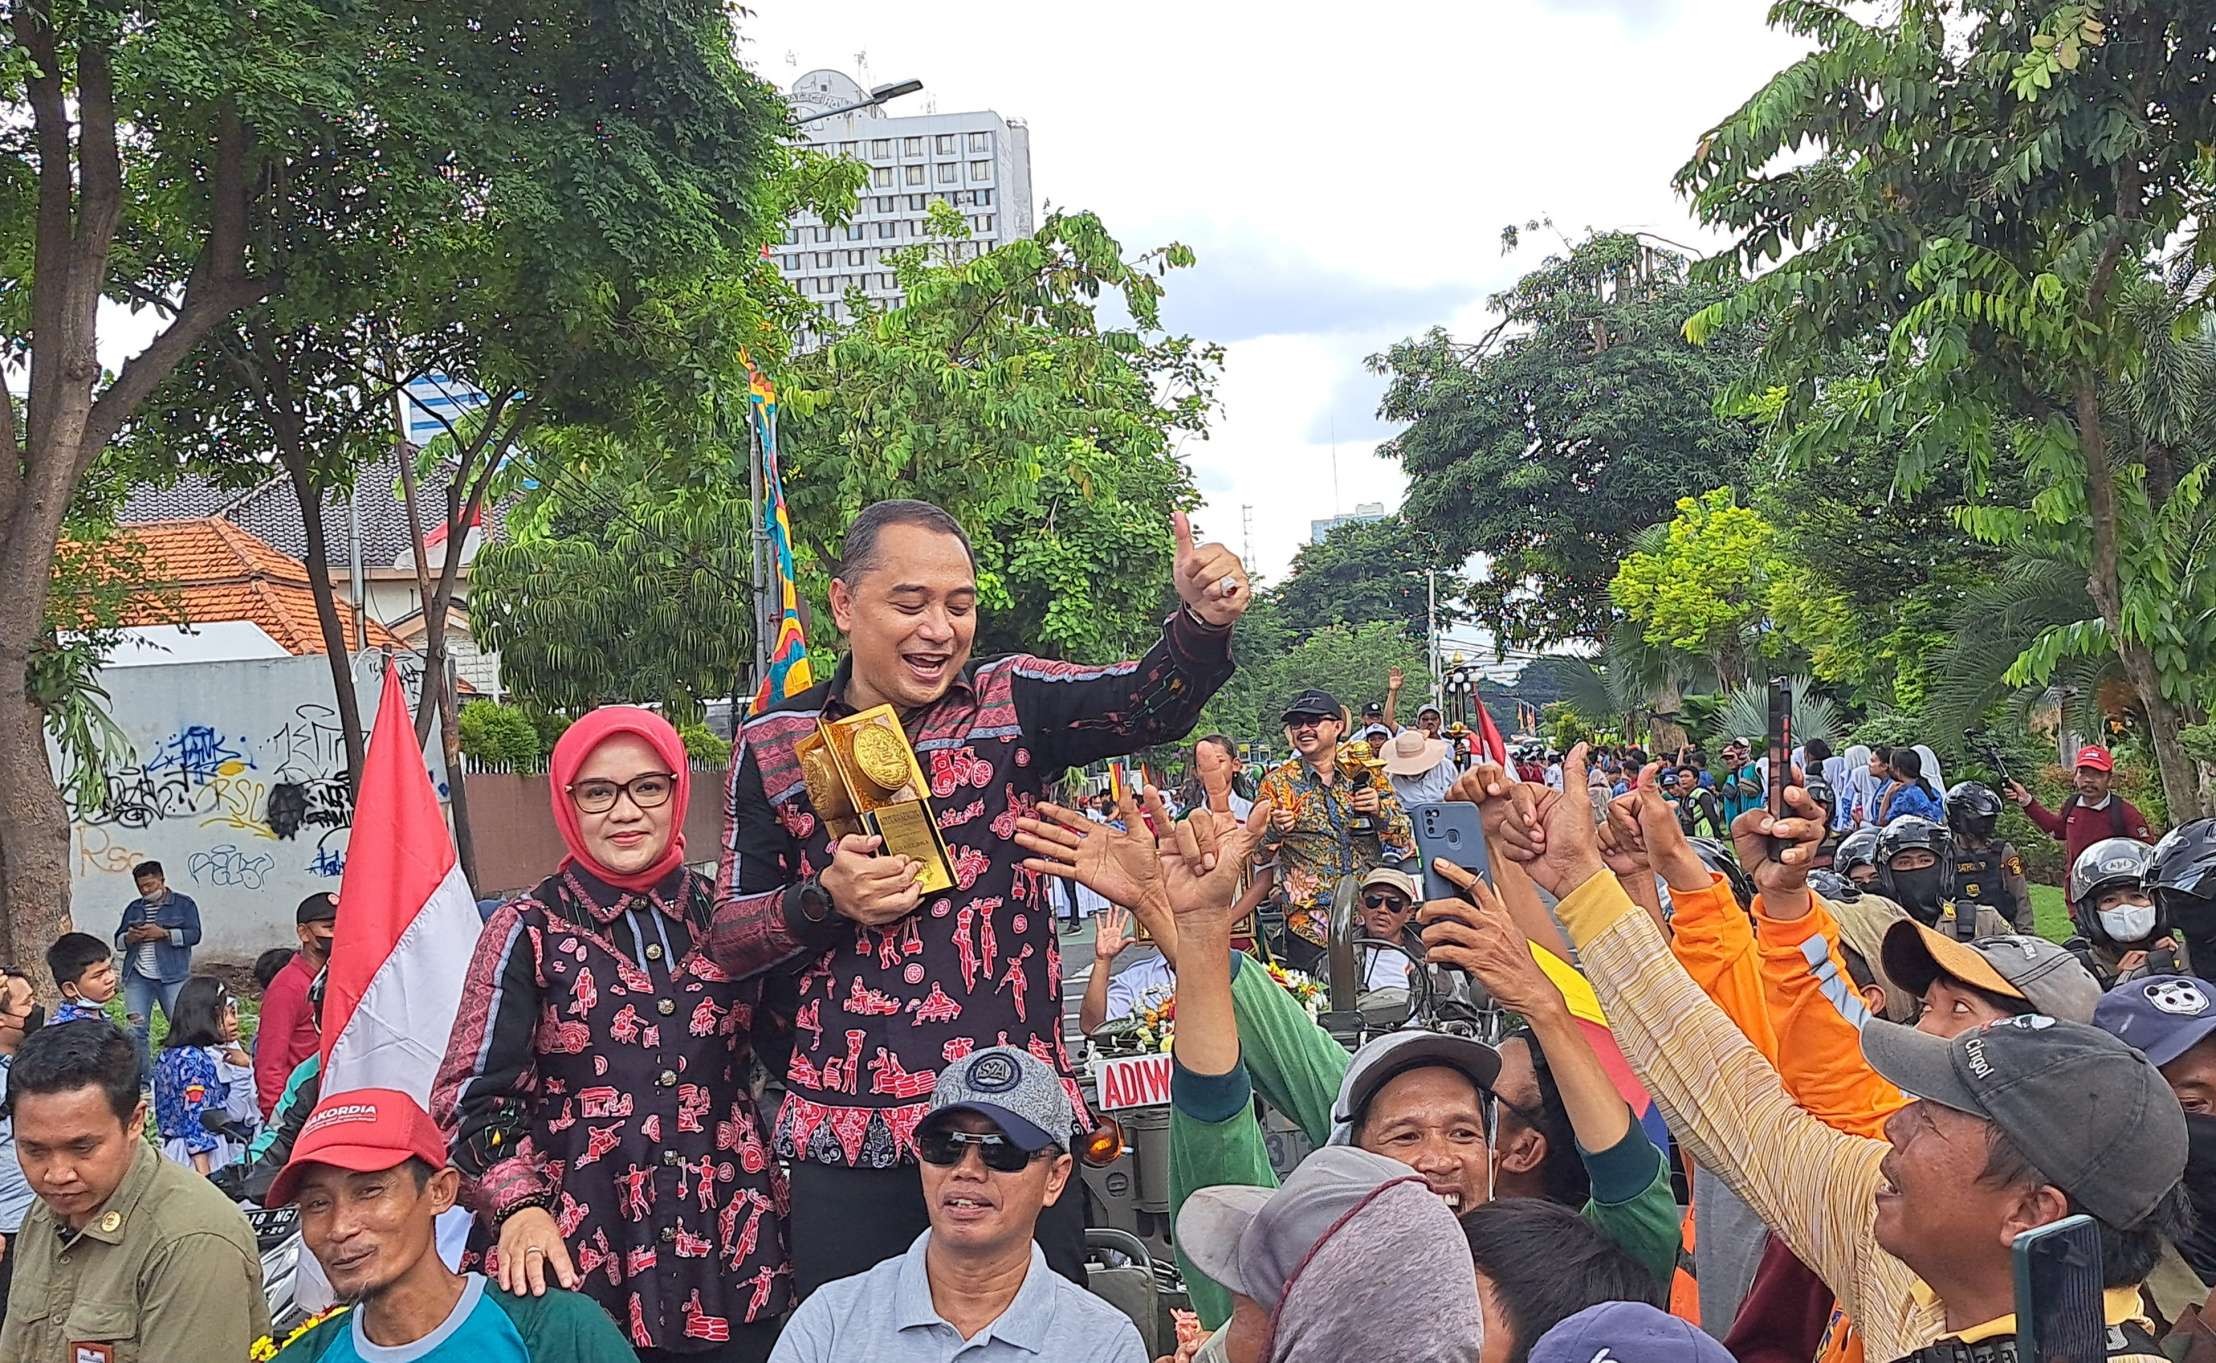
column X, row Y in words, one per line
column 1431, row 581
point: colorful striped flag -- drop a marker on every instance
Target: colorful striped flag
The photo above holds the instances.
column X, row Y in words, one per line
column 788, row 673
column 1584, row 1005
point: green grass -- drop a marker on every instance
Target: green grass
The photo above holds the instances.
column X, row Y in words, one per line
column 2052, row 918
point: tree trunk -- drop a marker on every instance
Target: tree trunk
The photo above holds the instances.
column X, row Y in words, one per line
column 1667, row 734
column 438, row 670
column 34, row 825
column 337, row 648
column 2181, row 786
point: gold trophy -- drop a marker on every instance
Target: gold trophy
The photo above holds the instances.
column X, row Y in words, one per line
column 862, row 777
column 1359, row 764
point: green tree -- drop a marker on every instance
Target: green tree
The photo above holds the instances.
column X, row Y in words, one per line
column 151, row 155
column 616, row 584
column 1368, row 571
column 1083, row 572
column 1705, row 587
column 504, row 734
column 990, row 369
column 1970, row 235
column 1578, row 419
column 997, row 390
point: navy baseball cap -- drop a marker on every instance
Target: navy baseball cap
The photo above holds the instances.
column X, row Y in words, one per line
column 1625, row 1332
column 1314, row 701
column 2160, row 1016
column 1015, row 1090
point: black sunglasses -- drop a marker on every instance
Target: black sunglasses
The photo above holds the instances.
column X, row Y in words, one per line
column 943, row 1147
column 1384, row 901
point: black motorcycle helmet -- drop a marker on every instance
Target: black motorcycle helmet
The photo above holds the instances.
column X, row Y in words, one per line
column 1858, row 848
column 1718, row 857
column 2182, row 877
column 1972, row 808
column 1821, row 792
column 1910, row 833
column 1834, row 886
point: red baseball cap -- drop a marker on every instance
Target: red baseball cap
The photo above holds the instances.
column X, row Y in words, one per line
column 364, row 1131
column 2096, row 757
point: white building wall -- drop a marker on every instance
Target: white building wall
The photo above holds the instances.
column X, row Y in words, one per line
column 236, row 782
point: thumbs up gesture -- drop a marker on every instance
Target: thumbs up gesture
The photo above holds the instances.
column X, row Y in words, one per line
column 1210, row 579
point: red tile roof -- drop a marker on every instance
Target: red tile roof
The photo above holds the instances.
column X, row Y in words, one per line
column 209, row 570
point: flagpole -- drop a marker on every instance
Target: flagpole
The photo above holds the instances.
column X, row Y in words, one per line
column 764, row 611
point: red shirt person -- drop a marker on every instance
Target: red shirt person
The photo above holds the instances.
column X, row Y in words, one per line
column 2094, row 811
column 888, row 986
column 287, row 1033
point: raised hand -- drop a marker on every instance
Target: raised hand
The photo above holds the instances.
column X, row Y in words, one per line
column 1201, row 865
column 1651, row 819
column 1210, row 578
column 1554, row 838
column 1112, row 934
column 1777, row 853
column 1476, row 934
column 1118, row 864
column 1395, row 679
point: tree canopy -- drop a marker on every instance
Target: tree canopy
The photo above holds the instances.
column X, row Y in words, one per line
column 1368, row 571
column 1579, row 419
column 1977, row 237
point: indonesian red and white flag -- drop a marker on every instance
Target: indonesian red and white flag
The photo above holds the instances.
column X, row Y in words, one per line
column 407, row 923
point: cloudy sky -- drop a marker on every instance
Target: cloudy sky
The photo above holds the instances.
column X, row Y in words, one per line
column 1343, row 172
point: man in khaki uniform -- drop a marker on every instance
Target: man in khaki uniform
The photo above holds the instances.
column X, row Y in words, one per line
column 125, row 1257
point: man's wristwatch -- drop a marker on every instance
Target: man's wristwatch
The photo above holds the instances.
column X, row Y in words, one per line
column 815, row 901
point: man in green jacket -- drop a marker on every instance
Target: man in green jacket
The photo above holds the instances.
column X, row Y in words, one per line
column 1417, row 1097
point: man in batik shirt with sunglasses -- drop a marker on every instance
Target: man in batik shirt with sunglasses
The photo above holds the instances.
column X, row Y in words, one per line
column 975, row 1284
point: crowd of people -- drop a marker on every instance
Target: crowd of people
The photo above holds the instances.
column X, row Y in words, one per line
column 1766, row 1085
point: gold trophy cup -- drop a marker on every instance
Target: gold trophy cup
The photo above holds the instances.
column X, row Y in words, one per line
column 862, row 777
column 1357, row 763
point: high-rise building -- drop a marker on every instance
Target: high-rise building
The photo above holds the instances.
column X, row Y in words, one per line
column 429, row 397
column 977, row 163
column 1363, row 511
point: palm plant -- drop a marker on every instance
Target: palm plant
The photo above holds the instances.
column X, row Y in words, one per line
column 1745, row 713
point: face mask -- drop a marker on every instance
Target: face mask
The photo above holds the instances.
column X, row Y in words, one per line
column 2199, row 1246
column 1918, row 892
column 2128, row 922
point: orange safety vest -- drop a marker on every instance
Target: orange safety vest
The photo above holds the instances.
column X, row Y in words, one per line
column 1685, row 1278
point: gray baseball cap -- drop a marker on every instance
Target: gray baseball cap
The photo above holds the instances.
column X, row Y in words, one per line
column 1250, row 1240
column 1012, row 1088
column 1383, row 1059
column 2033, row 969
column 2093, row 1115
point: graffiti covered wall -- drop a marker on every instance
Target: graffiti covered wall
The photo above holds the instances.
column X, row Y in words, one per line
column 236, row 783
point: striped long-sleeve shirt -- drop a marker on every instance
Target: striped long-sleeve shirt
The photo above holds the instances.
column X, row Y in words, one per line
column 1814, row 1185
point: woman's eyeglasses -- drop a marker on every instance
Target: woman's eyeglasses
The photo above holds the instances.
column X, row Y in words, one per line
column 943, row 1147
column 650, row 791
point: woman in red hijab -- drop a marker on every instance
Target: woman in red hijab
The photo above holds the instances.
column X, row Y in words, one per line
column 595, row 1090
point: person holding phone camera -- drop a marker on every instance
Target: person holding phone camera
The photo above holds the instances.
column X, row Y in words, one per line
column 2017, row 1123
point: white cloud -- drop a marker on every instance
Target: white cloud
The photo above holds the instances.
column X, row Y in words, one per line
column 1342, row 173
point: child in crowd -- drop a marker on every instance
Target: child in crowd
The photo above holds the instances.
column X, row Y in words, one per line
column 83, row 967
column 202, row 1070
